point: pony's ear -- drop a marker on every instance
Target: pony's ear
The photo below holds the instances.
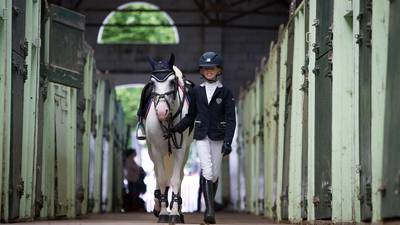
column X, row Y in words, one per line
column 171, row 60
column 152, row 62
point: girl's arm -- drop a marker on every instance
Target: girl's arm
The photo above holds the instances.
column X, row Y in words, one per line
column 189, row 117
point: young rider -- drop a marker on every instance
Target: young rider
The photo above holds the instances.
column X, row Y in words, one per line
column 212, row 109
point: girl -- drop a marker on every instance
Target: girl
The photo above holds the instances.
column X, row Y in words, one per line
column 212, row 109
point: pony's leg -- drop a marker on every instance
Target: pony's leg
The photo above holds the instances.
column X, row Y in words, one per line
column 162, row 184
column 176, row 180
column 157, row 192
column 160, row 201
column 157, row 196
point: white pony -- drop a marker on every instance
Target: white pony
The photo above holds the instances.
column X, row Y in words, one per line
column 169, row 152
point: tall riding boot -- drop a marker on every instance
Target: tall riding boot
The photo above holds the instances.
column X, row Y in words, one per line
column 208, row 192
column 215, row 187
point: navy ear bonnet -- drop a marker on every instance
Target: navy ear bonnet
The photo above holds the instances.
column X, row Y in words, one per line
column 162, row 69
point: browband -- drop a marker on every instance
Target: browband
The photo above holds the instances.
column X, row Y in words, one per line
column 159, row 78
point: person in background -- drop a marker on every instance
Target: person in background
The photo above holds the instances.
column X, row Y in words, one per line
column 135, row 175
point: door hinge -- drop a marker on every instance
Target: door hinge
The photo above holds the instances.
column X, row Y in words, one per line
column 359, row 38
column 316, row 201
column 316, row 70
column 315, row 22
column 20, row 188
column 315, row 48
column 24, row 71
column 80, row 193
column 24, row 45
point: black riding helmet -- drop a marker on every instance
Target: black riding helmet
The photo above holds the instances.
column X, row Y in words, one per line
column 210, row 59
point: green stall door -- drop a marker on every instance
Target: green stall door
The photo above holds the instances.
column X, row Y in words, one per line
column 63, row 64
column 364, row 42
column 61, row 126
column 287, row 125
column 323, row 110
column 19, row 74
column 391, row 150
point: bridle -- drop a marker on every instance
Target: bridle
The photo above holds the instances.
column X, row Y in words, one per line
column 158, row 97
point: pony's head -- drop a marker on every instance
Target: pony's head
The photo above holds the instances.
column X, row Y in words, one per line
column 165, row 86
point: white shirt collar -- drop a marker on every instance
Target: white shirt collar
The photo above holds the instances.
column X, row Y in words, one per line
column 219, row 84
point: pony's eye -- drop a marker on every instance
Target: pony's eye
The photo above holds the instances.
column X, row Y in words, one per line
column 172, row 82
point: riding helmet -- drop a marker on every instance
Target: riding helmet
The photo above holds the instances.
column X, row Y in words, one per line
column 210, row 59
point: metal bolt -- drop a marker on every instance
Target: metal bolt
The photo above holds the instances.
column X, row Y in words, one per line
column 316, row 201
column 382, row 190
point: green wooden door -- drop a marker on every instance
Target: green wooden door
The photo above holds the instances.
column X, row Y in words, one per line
column 19, row 75
column 323, row 109
column 287, row 126
column 323, row 140
column 61, row 128
column 364, row 42
column 391, row 151
column 63, row 63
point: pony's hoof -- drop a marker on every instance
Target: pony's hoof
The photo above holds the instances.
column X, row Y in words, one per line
column 156, row 213
column 182, row 218
column 163, row 219
column 176, row 219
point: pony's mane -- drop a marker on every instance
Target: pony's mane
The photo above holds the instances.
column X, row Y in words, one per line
column 179, row 74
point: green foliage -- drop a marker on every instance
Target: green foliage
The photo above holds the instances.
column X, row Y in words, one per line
column 130, row 99
column 139, row 34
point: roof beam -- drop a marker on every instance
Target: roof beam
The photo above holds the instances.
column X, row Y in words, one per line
column 262, row 6
column 202, row 8
column 233, row 26
column 179, row 11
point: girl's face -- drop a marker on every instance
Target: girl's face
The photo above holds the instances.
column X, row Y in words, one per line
column 210, row 72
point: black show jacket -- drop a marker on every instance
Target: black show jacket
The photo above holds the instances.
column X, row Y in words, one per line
column 216, row 120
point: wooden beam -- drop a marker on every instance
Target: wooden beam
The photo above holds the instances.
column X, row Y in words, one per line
column 263, row 6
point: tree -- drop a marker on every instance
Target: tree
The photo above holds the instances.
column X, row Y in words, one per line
column 139, row 34
column 130, row 99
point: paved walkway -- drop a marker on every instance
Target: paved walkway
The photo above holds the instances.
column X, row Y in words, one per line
column 146, row 219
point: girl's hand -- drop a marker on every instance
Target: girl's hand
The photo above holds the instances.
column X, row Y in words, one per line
column 226, row 148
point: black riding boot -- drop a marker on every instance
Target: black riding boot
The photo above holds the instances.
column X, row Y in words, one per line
column 141, row 113
column 215, row 187
column 208, row 192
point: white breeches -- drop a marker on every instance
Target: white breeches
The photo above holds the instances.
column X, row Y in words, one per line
column 210, row 156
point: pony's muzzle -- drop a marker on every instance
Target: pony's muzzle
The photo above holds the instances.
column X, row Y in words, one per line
column 162, row 111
